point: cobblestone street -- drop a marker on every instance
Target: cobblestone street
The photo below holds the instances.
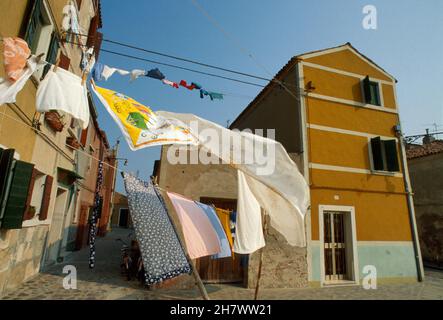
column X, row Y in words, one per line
column 105, row 283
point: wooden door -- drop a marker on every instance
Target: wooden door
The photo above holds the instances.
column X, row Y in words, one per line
column 334, row 246
column 123, row 219
column 224, row 270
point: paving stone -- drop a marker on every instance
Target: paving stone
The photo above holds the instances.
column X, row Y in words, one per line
column 105, row 283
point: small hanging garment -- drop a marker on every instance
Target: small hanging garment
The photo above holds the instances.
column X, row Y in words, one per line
column 196, row 85
column 95, row 216
column 248, row 230
column 203, row 93
column 15, row 55
column 88, row 60
column 9, row 90
column 162, row 253
column 170, row 83
column 63, row 90
column 136, row 73
column 215, row 95
column 223, row 216
column 97, row 72
column 216, row 224
column 108, row 72
column 156, row 74
column 183, row 83
column 200, row 237
column 212, row 95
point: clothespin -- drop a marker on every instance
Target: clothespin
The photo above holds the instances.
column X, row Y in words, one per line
column 84, row 77
column 39, row 57
column 56, row 64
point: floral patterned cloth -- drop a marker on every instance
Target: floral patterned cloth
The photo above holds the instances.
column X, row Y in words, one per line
column 15, row 53
column 94, row 218
column 162, row 253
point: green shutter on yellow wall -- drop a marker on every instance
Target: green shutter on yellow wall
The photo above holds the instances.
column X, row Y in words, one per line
column 391, row 155
column 18, row 193
column 33, row 26
column 377, row 153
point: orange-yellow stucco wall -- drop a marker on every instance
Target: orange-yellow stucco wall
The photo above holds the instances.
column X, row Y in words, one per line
column 380, row 201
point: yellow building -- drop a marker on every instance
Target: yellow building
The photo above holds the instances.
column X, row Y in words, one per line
column 337, row 115
column 38, row 167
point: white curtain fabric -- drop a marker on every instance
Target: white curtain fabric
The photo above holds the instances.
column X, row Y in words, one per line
column 248, row 227
column 63, row 90
column 9, row 90
column 280, row 188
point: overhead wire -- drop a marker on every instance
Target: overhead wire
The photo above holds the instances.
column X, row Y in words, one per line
column 240, row 47
column 53, row 142
column 185, row 60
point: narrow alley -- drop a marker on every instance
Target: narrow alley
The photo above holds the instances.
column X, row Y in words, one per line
column 105, row 283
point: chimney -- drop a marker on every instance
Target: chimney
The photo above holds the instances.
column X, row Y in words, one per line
column 428, row 139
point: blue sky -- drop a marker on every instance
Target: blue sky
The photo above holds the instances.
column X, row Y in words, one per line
column 407, row 43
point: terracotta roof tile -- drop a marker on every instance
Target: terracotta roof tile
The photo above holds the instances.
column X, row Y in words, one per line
column 417, row 151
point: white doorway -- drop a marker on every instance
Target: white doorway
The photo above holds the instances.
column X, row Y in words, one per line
column 338, row 245
column 56, row 232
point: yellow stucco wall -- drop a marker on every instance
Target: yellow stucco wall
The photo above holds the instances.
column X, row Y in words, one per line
column 380, row 201
column 388, row 96
column 378, row 217
column 337, row 115
column 24, row 139
column 346, row 60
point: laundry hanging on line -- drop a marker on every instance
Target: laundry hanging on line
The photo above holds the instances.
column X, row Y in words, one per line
column 183, row 83
column 15, row 56
column 155, row 74
column 212, row 95
column 9, row 90
column 64, row 91
column 162, row 253
column 170, row 83
column 139, row 124
column 136, row 73
column 217, row 225
column 200, row 237
column 224, row 215
column 276, row 183
column 249, row 231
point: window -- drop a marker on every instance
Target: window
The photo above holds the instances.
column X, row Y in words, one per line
column 384, row 155
column 41, row 35
column 371, row 91
column 14, row 204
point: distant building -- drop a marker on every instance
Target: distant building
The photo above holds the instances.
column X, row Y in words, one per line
column 40, row 181
column 426, row 170
column 121, row 216
column 337, row 117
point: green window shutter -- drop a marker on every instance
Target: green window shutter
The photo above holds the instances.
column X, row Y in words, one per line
column 33, row 25
column 367, row 89
column 18, row 194
column 377, row 153
column 6, row 160
column 375, row 95
column 51, row 57
column 391, row 155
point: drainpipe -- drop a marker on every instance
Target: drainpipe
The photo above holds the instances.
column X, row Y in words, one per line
column 407, row 182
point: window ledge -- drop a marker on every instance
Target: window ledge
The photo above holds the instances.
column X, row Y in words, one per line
column 385, row 173
column 34, row 222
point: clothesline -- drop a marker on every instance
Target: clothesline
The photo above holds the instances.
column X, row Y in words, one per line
column 67, row 145
column 183, row 59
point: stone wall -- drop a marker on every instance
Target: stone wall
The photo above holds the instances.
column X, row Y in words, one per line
column 284, row 266
column 427, row 184
column 20, row 255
